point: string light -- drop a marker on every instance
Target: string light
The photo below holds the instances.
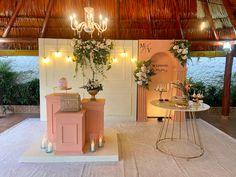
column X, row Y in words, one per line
column 46, row 60
column 133, row 60
column 57, row 53
column 68, row 59
column 114, row 60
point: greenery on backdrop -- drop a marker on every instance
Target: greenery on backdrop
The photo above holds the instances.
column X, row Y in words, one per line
column 12, row 91
column 180, row 50
column 92, row 54
column 143, row 73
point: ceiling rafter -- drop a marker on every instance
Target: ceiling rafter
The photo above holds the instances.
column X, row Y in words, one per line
column 178, row 20
column 48, row 12
column 117, row 19
column 230, row 13
column 150, row 29
column 209, row 19
column 12, row 19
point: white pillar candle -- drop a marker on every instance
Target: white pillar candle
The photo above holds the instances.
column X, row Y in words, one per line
column 44, row 143
column 49, row 148
column 100, row 141
column 92, row 146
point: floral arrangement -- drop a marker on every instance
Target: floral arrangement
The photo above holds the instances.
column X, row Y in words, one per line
column 184, row 87
column 93, row 84
column 143, row 73
column 180, row 50
column 94, row 54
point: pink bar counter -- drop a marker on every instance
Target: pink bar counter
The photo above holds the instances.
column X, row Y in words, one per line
column 94, row 117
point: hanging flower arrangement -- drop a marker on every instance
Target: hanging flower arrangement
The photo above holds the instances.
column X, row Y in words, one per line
column 180, row 50
column 93, row 54
column 143, row 73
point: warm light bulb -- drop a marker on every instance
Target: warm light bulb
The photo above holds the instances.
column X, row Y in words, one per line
column 114, row 60
column 203, row 25
column 100, row 17
column 71, row 17
column 227, row 46
column 76, row 22
column 58, row 54
column 68, row 59
column 74, row 15
column 106, row 20
column 123, row 54
column 46, row 60
column 133, row 60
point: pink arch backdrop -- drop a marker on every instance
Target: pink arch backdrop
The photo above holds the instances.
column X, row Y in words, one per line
column 167, row 70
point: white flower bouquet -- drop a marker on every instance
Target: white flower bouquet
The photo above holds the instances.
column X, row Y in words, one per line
column 180, row 50
column 143, row 73
column 93, row 53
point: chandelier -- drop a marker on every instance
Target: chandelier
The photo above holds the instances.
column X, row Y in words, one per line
column 88, row 25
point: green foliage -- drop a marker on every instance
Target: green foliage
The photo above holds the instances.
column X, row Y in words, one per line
column 180, row 50
column 12, row 92
column 143, row 73
column 8, row 79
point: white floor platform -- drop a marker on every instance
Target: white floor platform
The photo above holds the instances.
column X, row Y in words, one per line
column 108, row 153
column 138, row 155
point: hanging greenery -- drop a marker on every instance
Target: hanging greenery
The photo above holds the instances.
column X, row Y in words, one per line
column 93, row 54
column 143, row 73
column 180, row 50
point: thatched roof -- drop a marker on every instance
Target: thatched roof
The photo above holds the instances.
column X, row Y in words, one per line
column 128, row 19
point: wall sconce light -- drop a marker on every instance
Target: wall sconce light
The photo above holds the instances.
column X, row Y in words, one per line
column 45, row 60
column 227, row 46
column 133, row 60
column 68, row 59
column 114, row 60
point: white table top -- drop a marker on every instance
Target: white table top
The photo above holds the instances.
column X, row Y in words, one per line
column 170, row 106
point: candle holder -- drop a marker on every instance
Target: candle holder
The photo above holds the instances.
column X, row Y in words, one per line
column 161, row 88
column 49, row 148
column 101, row 140
column 92, row 143
column 44, row 142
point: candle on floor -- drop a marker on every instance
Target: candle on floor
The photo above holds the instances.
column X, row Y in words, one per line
column 92, row 146
column 44, row 143
column 100, row 141
column 49, row 148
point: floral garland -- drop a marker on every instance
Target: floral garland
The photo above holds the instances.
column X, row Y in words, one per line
column 143, row 73
column 94, row 54
column 180, row 49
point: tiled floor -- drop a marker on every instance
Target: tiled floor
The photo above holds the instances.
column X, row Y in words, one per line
column 13, row 119
column 227, row 125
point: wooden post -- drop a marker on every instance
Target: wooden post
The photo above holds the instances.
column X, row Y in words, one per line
column 227, row 82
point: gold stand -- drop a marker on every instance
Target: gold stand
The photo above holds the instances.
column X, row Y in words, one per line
column 179, row 136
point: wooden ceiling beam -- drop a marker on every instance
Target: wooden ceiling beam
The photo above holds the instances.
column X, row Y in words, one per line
column 150, row 30
column 48, row 12
column 209, row 19
column 117, row 19
column 12, row 19
column 18, row 40
column 230, row 13
column 177, row 16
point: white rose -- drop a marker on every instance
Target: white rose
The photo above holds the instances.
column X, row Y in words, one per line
column 182, row 45
column 143, row 68
column 179, row 50
column 138, row 74
column 88, row 47
column 93, row 42
column 185, row 51
column 108, row 42
column 139, row 82
column 184, row 57
column 176, row 47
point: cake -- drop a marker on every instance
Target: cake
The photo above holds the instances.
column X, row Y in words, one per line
column 62, row 83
